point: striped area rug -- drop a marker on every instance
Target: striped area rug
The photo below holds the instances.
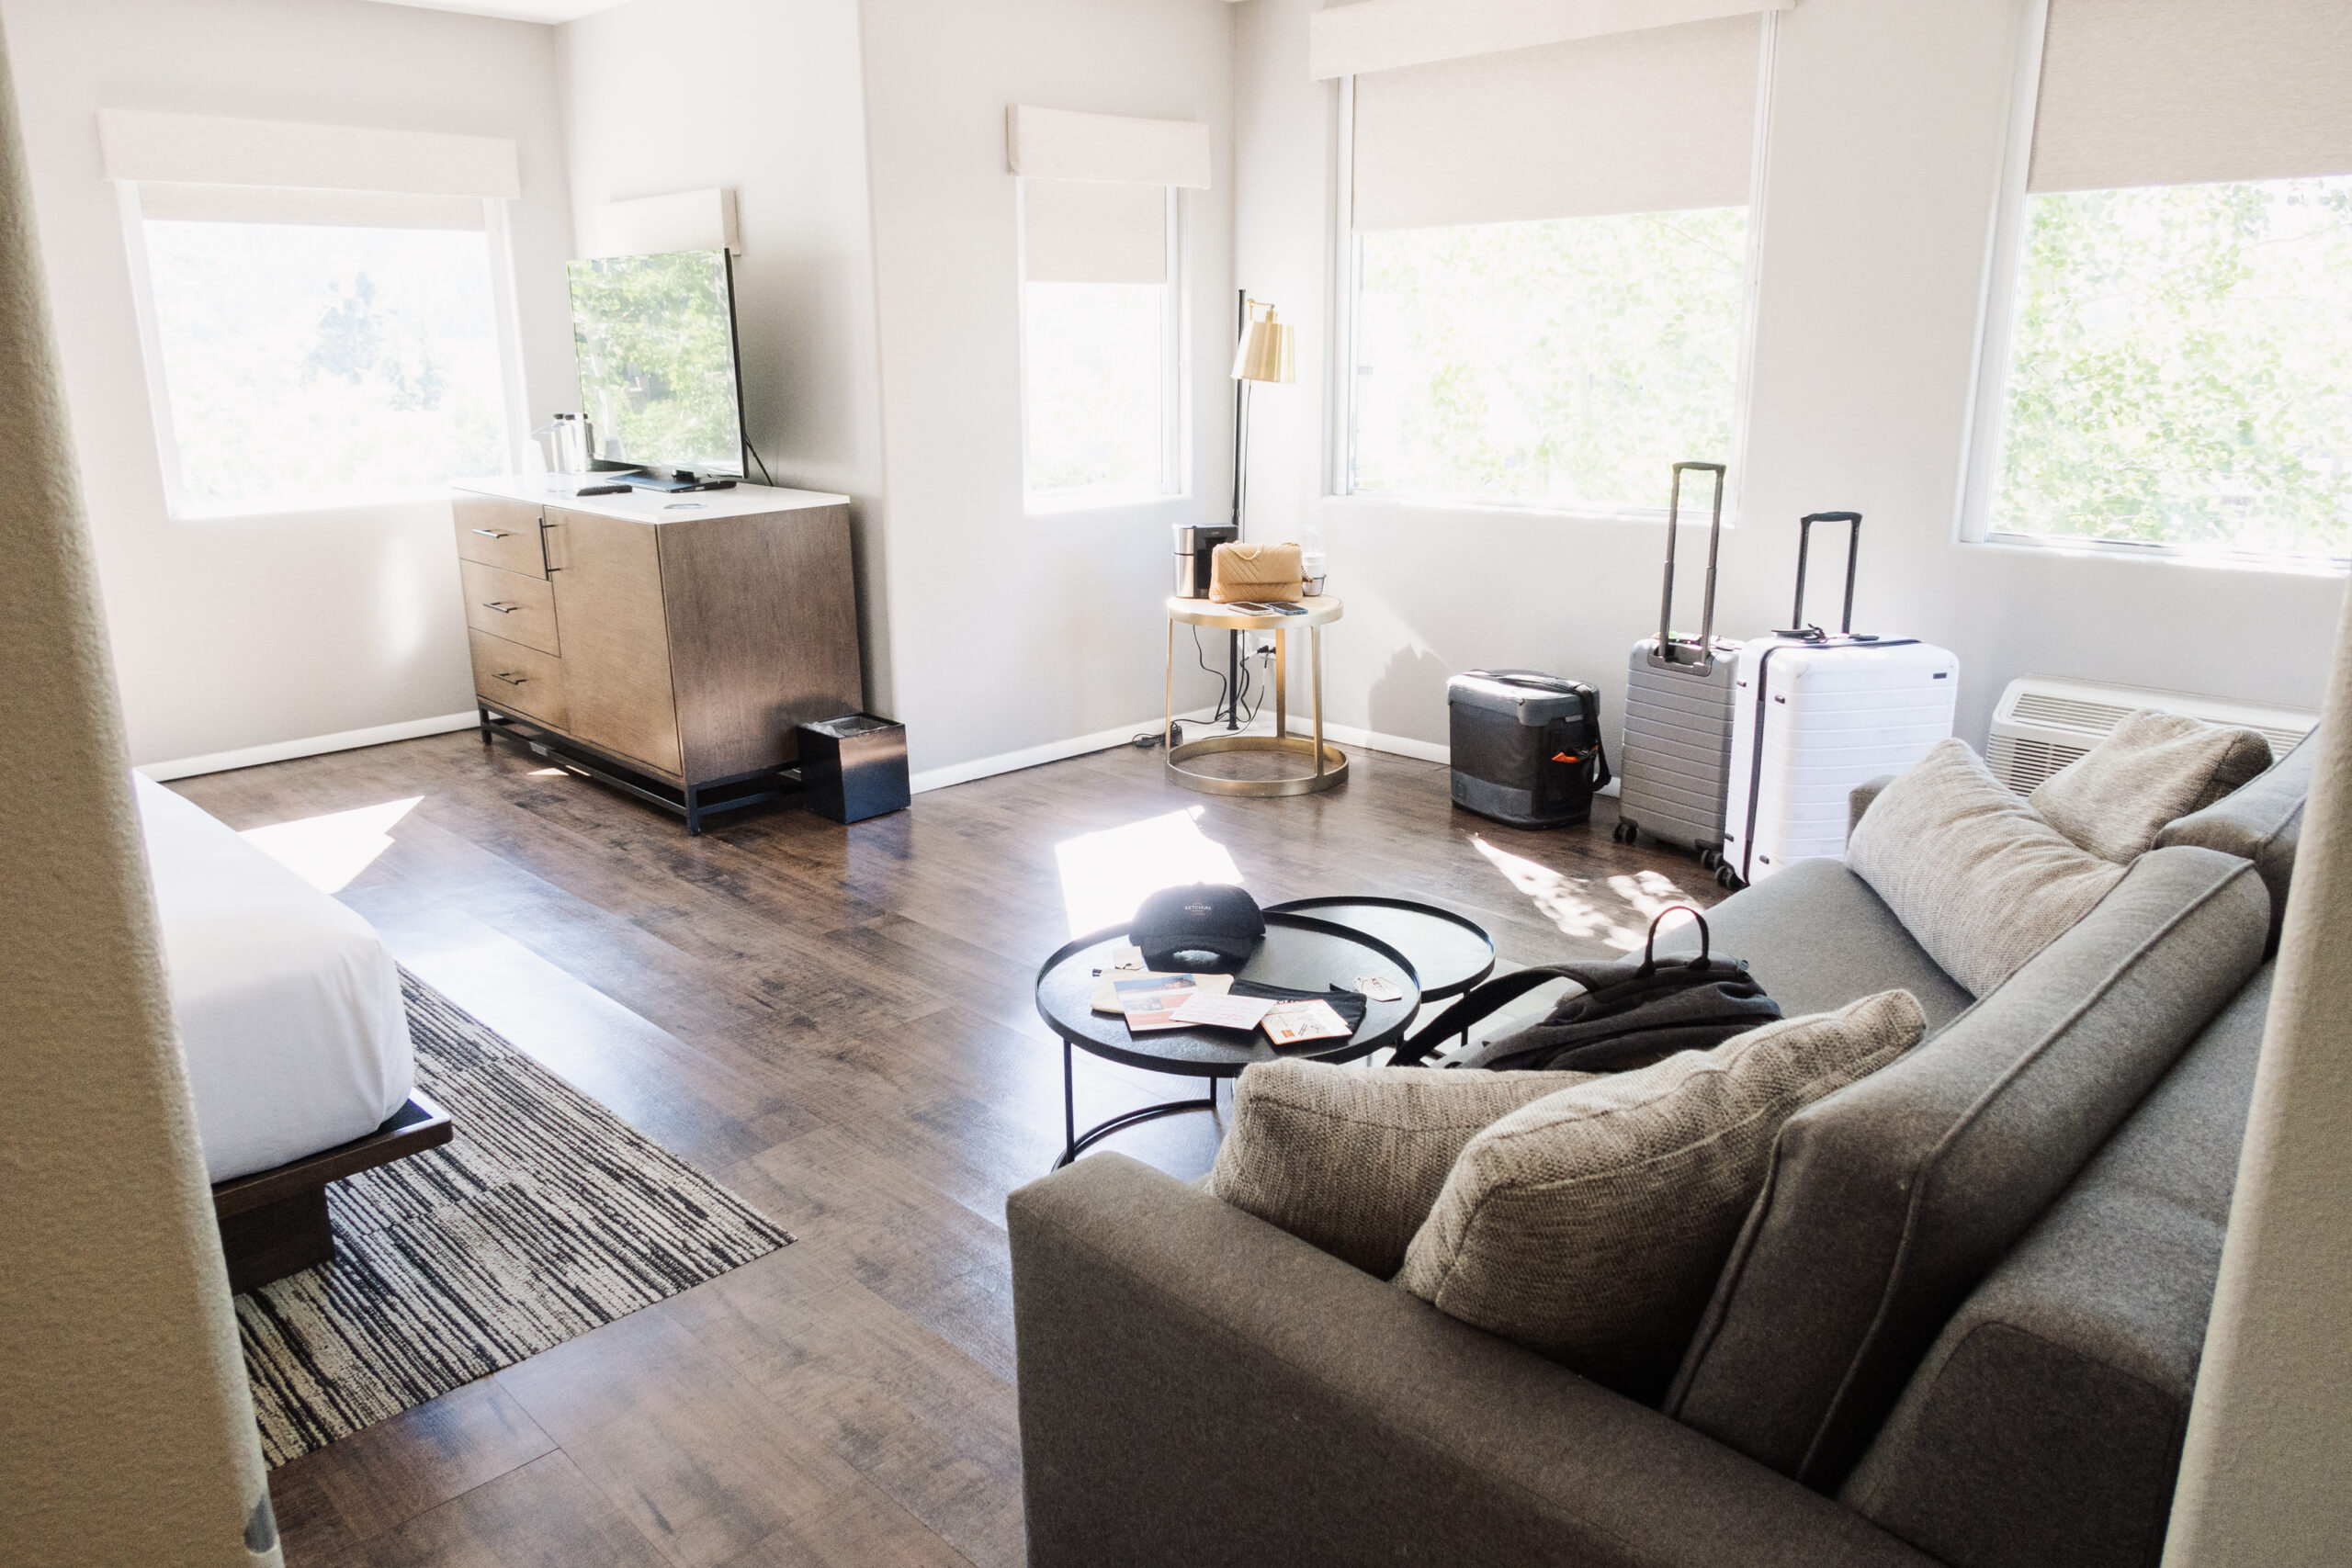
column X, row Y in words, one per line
column 546, row 1216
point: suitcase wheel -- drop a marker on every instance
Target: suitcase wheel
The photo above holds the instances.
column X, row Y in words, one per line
column 1727, row 878
column 1711, row 859
column 1626, row 833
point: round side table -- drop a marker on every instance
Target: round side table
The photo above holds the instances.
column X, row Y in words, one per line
column 1323, row 765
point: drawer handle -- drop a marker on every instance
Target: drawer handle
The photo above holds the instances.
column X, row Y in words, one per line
column 510, row 679
column 502, row 609
column 492, row 532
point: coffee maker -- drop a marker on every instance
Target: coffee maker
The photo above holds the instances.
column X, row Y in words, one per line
column 1196, row 544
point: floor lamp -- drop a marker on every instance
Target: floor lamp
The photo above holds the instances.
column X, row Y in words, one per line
column 1265, row 351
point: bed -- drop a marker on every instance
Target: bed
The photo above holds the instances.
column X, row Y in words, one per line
column 294, row 1031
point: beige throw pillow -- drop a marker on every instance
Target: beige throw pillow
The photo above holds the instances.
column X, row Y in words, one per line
column 1976, row 877
column 1352, row 1158
column 2152, row 769
column 1592, row 1224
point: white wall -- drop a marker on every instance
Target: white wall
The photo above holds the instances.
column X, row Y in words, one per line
column 1012, row 633
column 1884, row 141
column 232, row 633
column 767, row 98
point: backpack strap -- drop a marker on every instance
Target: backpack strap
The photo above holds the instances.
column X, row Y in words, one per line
column 1589, row 700
column 1478, row 1003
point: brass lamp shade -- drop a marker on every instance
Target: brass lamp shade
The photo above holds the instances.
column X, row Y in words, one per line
column 1268, row 352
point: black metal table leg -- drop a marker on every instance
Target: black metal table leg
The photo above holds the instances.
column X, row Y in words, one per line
column 1075, row 1146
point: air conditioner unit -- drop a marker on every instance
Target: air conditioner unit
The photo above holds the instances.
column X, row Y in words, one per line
column 2040, row 725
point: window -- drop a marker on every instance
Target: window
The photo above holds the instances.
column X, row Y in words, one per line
column 1567, row 362
column 2181, row 368
column 2172, row 340
column 313, row 364
column 326, row 310
column 1099, row 333
column 1549, row 278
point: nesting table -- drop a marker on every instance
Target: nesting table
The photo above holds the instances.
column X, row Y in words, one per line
column 1324, row 765
column 1310, row 944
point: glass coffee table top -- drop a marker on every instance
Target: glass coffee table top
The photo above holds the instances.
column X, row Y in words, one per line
column 1450, row 951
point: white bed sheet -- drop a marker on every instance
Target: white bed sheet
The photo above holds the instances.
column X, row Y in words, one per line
column 288, row 1003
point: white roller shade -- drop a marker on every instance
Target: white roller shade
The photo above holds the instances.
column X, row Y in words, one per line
column 1384, row 35
column 1658, row 120
column 1062, row 144
column 1093, row 231
column 2192, row 92
column 283, row 204
column 191, row 148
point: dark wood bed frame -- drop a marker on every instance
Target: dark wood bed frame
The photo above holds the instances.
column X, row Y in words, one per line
column 273, row 1223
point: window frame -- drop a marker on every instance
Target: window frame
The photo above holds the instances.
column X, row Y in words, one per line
column 1175, row 382
column 1346, row 281
column 505, row 324
column 1983, row 434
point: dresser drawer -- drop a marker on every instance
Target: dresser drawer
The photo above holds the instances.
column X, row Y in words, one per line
column 507, row 675
column 503, row 534
column 508, row 604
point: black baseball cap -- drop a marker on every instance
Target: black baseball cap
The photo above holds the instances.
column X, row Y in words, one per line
column 1209, row 917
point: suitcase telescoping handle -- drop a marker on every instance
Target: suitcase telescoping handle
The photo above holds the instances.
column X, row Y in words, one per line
column 1805, row 546
column 1706, row 653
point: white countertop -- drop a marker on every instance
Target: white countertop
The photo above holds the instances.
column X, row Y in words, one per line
column 645, row 505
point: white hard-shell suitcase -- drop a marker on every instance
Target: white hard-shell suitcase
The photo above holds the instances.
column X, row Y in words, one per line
column 1817, row 715
column 1675, row 758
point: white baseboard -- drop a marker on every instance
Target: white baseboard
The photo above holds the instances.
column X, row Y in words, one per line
column 284, row 750
column 1103, row 739
column 1029, row 757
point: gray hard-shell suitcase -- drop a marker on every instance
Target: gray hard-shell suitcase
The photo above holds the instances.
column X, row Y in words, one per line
column 1676, row 761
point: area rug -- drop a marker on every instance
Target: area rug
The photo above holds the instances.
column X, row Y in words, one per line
column 546, row 1216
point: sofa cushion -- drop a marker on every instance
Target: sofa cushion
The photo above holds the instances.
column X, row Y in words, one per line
column 2045, row 1426
column 2261, row 822
column 1351, row 1159
column 1590, row 1224
column 2150, row 768
column 1969, row 870
column 1816, row 938
column 1889, row 1201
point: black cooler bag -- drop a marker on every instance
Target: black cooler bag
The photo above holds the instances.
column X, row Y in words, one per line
column 1526, row 747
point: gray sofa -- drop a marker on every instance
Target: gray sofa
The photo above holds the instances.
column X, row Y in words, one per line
column 1961, row 1325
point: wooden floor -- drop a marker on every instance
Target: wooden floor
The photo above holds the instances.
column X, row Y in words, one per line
column 836, row 1023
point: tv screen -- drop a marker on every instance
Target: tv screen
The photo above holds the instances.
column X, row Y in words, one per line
column 655, row 337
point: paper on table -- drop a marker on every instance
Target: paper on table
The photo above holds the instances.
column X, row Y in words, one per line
column 1294, row 1022
column 1379, row 989
column 1151, row 1002
column 1107, row 988
column 1225, row 1012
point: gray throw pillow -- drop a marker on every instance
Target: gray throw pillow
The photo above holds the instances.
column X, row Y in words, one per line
column 1974, row 875
column 2151, row 769
column 1351, row 1159
column 1592, row 1224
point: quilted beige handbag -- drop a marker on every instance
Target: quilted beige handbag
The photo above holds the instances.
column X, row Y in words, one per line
column 1255, row 571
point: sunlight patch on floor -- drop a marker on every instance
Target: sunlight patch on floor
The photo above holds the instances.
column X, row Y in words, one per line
column 328, row 851
column 1617, row 912
column 1106, row 874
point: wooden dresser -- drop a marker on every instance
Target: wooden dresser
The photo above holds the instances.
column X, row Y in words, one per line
column 665, row 644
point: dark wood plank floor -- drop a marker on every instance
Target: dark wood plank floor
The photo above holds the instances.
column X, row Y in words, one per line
column 836, row 1023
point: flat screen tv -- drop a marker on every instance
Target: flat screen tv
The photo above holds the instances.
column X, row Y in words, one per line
column 655, row 337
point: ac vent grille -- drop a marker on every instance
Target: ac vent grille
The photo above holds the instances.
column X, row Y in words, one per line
column 2094, row 719
column 2022, row 764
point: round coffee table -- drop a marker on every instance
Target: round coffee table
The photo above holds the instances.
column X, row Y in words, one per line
column 1299, row 951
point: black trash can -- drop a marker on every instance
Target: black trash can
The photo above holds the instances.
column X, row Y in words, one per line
column 853, row 767
column 1526, row 747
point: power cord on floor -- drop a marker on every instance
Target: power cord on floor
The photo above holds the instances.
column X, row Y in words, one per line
column 1245, row 710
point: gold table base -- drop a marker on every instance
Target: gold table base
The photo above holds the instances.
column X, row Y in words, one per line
column 1325, row 764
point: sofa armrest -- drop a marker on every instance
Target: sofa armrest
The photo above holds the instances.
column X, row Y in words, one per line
column 1858, row 799
column 1200, row 1388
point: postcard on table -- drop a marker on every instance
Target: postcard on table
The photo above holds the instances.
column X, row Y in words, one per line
column 1108, row 986
column 1152, row 1003
column 1296, row 1022
column 1225, row 1012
